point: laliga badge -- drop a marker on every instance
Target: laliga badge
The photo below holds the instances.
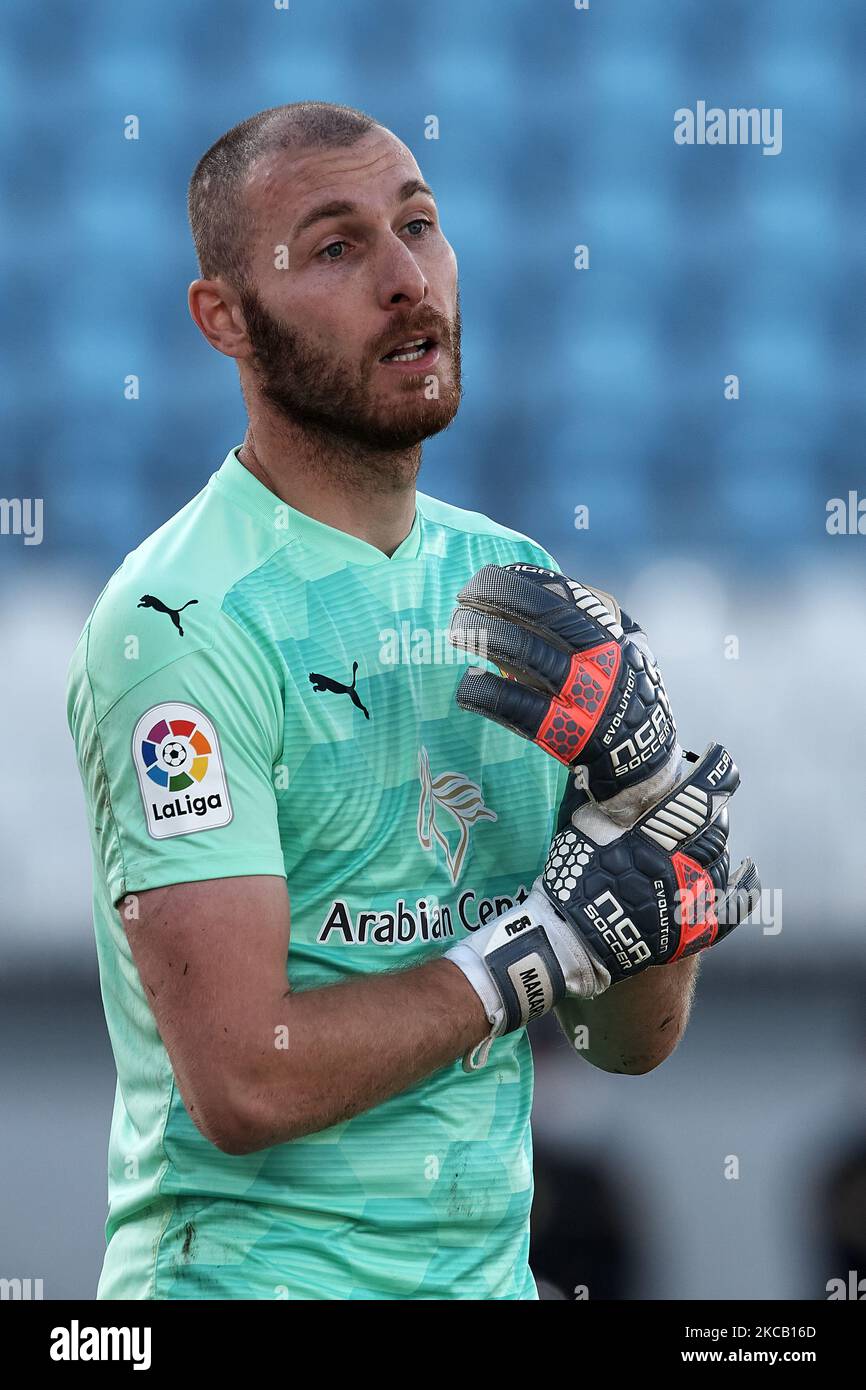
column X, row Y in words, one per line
column 180, row 771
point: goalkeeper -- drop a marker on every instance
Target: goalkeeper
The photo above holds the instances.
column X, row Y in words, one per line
column 321, row 906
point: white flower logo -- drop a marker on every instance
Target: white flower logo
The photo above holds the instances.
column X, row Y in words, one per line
column 455, row 794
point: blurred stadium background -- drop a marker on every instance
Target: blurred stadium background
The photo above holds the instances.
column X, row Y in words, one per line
column 600, row 388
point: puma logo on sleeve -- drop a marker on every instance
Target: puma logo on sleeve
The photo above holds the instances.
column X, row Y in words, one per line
column 148, row 601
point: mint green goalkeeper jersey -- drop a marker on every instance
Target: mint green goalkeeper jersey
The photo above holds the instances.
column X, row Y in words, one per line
column 258, row 693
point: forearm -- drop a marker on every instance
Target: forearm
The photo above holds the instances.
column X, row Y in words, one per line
column 636, row 1024
column 319, row 1057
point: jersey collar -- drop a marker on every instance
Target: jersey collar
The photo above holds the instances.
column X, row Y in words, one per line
column 238, row 483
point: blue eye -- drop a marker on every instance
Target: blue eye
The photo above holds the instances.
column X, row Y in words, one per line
column 421, row 224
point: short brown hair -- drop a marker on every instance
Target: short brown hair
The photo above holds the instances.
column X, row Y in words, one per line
column 221, row 221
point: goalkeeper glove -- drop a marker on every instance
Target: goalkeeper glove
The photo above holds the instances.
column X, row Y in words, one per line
column 582, row 681
column 610, row 902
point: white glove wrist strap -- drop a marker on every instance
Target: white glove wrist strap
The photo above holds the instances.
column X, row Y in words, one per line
column 521, row 964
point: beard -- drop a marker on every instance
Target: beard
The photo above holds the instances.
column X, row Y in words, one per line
column 333, row 400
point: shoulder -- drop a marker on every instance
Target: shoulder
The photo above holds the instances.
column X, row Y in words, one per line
column 166, row 601
column 503, row 542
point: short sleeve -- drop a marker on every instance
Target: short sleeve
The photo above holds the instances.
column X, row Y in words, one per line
column 547, row 560
column 178, row 769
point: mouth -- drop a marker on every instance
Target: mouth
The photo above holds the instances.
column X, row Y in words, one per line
column 417, row 353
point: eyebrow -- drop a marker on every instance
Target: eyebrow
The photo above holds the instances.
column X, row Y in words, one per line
column 340, row 208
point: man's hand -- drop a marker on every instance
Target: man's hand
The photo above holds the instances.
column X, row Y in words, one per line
column 612, row 902
column 581, row 682
column 638, row 872
column 662, row 890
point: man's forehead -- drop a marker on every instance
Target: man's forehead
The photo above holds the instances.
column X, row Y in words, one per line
column 288, row 182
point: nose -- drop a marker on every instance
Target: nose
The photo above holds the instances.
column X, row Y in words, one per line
column 400, row 280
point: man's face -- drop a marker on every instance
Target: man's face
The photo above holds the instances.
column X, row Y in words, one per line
column 368, row 271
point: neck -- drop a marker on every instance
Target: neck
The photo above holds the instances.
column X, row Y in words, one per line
column 367, row 493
